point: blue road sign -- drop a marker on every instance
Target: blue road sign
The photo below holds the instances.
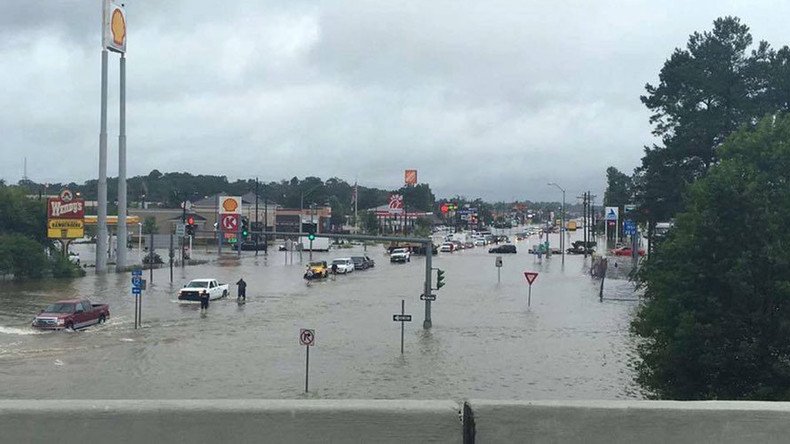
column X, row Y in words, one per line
column 629, row 227
column 136, row 290
column 137, row 272
column 137, row 281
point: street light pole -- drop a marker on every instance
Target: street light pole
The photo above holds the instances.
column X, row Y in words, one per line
column 562, row 219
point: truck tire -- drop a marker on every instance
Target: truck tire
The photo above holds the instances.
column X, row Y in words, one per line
column 70, row 326
column 102, row 319
column 224, row 293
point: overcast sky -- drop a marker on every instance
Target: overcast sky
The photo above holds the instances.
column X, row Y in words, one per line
column 485, row 99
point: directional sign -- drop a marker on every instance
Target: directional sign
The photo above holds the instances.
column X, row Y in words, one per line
column 136, row 290
column 426, row 297
column 531, row 276
column 306, row 337
column 137, row 272
column 612, row 213
column 629, row 227
column 229, row 222
column 401, row 318
column 181, row 229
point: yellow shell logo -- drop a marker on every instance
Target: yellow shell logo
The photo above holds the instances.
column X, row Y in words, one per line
column 118, row 27
column 230, row 205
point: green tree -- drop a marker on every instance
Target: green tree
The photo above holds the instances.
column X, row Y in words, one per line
column 370, row 223
column 705, row 92
column 149, row 225
column 716, row 317
column 22, row 257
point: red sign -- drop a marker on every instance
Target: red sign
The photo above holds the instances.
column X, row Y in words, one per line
column 66, row 206
column 229, row 222
column 531, row 276
column 396, row 203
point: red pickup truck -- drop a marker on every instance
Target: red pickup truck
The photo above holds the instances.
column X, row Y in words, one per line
column 72, row 314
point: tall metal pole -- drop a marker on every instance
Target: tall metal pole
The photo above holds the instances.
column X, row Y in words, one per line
column 120, row 260
column 312, row 228
column 562, row 228
column 101, row 211
column 256, row 235
column 426, row 324
column 265, row 226
column 402, row 327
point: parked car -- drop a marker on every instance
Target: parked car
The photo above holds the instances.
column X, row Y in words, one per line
column 157, row 259
column 343, row 265
column 74, row 257
column 360, row 262
column 316, row 270
column 504, row 248
column 71, row 314
column 250, row 246
column 192, row 291
column 627, row 251
column 400, row 255
column 447, row 247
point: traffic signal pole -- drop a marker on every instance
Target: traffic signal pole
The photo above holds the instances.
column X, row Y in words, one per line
column 426, row 324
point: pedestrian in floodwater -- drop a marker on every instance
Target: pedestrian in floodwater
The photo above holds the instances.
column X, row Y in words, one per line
column 242, row 291
column 204, row 300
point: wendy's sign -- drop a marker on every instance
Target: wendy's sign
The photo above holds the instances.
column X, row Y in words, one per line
column 65, row 206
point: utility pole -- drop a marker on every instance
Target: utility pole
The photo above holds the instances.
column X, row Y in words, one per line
column 257, row 225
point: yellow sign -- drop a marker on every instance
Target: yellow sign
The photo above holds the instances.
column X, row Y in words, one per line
column 114, row 26
column 230, row 204
column 60, row 224
column 65, row 229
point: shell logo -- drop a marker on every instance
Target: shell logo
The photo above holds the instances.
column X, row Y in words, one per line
column 118, row 27
column 229, row 205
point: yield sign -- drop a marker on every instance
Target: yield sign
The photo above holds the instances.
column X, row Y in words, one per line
column 229, row 222
column 531, row 276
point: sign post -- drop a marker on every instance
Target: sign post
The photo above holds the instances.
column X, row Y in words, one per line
column 531, row 276
column 137, row 289
column 306, row 338
column 402, row 317
column 498, row 264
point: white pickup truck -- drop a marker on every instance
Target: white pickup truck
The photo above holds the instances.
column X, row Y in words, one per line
column 196, row 287
column 400, row 255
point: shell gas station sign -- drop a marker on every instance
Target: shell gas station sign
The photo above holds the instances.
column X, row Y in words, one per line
column 65, row 216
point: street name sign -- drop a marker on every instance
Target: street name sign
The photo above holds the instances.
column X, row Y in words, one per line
column 426, row 297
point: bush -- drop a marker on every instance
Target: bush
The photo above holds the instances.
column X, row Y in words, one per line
column 22, row 257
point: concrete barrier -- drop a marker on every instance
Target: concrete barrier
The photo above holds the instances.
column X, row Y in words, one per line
column 628, row 421
column 230, row 421
column 389, row 421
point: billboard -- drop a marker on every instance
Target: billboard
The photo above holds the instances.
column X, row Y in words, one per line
column 410, row 177
column 114, row 26
column 65, row 216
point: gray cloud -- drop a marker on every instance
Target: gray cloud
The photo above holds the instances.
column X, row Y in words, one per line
column 489, row 99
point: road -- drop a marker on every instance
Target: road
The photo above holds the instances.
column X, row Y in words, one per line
column 485, row 341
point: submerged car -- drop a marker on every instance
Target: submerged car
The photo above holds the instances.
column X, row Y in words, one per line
column 316, row 270
column 505, row 248
column 627, row 251
column 361, row 262
column 342, row 265
column 71, row 314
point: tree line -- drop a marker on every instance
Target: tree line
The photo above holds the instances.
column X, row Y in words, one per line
column 715, row 317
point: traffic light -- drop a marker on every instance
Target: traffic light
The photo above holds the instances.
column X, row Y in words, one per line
column 244, row 228
column 311, row 232
column 311, row 236
column 439, row 278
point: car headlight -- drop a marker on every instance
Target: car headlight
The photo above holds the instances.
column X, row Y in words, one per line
column 61, row 321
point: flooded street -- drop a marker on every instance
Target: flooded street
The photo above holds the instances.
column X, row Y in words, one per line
column 485, row 341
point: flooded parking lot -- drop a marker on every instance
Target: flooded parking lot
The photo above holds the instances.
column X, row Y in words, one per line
column 485, row 341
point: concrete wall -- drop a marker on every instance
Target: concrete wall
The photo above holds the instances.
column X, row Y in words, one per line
column 229, row 421
column 631, row 421
column 380, row 421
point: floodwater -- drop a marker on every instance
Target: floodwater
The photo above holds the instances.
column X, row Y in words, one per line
column 485, row 341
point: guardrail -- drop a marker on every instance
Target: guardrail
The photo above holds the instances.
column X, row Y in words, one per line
column 385, row 421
